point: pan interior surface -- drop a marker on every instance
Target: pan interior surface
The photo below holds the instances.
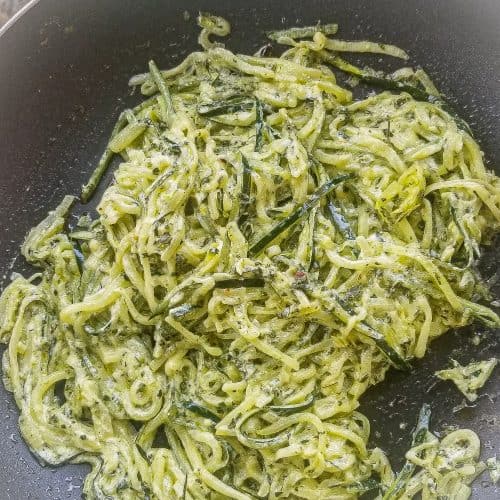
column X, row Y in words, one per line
column 65, row 67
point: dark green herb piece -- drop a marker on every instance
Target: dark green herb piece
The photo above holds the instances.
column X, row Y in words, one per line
column 364, row 486
column 80, row 259
column 312, row 246
column 184, row 311
column 296, row 215
column 336, row 216
column 241, row 283
column 246, row 189
column 232, row 105
column 340, row 222
column 166, row 105
column 419, row 436
column 174, row 146
column 201, row 411
column 259, row 125
column 145, row 490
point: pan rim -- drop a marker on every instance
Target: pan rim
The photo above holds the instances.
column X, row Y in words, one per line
column 17, row 16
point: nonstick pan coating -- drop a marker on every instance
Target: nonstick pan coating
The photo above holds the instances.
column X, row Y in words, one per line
column 64, row 66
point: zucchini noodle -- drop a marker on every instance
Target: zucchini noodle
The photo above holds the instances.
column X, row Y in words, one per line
column 268, row 249
column 469, row 379
column 447, row 466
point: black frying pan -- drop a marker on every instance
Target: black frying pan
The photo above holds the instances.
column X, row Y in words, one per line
column 64, row 66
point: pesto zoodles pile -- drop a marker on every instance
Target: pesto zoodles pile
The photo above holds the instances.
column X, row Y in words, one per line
column 268, row 248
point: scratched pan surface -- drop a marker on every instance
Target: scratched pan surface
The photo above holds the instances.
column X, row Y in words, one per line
column 64, row 67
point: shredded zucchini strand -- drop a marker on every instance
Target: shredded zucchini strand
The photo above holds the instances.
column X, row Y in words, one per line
column 269, row 247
